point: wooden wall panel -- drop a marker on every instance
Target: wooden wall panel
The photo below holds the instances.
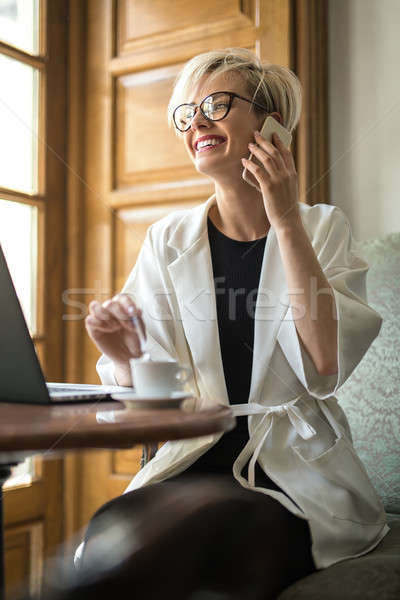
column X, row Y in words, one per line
column 175, row 194
column 182, row 48
column 130, row 230
column 146, row 149
column 311, row 65
column 167, row 17
column 138, row 24
column 98, row 249
column 75, row 186
column 126, row 462
column 24, row 558
column 129, row 238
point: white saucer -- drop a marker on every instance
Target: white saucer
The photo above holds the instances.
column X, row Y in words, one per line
column 135, row 400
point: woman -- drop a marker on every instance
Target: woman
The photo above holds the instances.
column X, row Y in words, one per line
column 264, row 297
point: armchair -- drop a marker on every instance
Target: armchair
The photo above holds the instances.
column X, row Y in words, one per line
column 371, row 401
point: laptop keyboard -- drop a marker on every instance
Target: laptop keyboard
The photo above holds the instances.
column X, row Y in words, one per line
column 73, row 392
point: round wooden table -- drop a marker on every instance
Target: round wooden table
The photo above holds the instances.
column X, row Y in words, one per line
column 27, row 429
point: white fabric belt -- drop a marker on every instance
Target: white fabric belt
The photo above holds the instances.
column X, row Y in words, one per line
column 253, row 447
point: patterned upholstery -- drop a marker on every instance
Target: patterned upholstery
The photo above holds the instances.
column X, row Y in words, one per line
column 371, row 396
column 371, row 401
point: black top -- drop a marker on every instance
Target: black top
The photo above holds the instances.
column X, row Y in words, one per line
column 236, row 269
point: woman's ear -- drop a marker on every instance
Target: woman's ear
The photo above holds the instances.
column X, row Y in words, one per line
column 277, row 116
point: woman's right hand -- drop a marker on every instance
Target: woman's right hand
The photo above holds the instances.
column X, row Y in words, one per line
column 111, row 328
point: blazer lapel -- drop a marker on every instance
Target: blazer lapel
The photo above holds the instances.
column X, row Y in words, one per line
column 192, row 277
column 271, row 307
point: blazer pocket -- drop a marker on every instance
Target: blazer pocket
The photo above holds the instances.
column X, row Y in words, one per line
column 344, row 485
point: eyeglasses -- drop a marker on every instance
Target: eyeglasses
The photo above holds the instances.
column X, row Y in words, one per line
column 214, row 107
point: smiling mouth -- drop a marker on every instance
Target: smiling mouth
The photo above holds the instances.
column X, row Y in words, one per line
column 210, row 147
column 208, row 142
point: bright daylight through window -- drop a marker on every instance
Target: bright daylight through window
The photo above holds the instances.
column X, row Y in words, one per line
column 19, row 124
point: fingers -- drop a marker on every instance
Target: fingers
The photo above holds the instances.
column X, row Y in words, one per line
column 114, row 314
column 119, row 312
column 285, row 152
column 258, row 171
column 275, row 152
column 132, row 310
column 100, row 318
column 267, row 154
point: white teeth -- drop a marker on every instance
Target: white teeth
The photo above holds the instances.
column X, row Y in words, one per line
column 209, row 142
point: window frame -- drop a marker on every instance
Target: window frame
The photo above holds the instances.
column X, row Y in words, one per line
column 40, row 62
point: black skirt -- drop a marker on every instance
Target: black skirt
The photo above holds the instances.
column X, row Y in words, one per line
column 204, row 532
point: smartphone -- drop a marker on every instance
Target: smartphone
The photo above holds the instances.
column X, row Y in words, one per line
column 270, row 126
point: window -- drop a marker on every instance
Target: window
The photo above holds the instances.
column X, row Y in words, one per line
column 18, row 238
column 22, row 71
column 19, row 24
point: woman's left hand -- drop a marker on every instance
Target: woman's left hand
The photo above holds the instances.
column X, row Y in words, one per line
column 277, row 178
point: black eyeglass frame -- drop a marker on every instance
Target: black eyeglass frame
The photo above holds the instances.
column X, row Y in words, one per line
column 231, row 95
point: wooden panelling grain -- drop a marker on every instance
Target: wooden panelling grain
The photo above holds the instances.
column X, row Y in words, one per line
column 274, row 40
column 99, row 484
column 129, row 238
column 43, row 17
column 155, row 55
column 98, row 173
column 139, row 20
column 20, row 55
column 24, row 503
column 24, row 558
column 17, row 562
column 311, row 64
column 55, row 137
column 41, row 167
column 130, row 230
column 152, row 212
column 160, row 24
column 146, row 150
column 75, row 190
column 126, row 462
column 183, row 190
column 53, row 507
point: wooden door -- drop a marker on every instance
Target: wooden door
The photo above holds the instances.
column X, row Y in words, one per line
column 136, row 170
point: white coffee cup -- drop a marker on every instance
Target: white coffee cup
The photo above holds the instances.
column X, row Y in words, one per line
column 157, row 378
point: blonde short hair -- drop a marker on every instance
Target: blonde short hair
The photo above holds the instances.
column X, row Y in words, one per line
column 275, row 87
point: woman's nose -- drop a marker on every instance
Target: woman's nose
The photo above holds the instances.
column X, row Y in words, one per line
column 198, row 120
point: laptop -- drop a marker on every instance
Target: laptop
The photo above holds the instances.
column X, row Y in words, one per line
column 21, row 377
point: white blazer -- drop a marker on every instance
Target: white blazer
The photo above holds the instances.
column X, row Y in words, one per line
column 298, row 432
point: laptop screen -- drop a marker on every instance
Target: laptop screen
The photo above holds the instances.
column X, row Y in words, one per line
column 21, row 377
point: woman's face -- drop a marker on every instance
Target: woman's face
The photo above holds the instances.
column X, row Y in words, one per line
column 232, row 134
